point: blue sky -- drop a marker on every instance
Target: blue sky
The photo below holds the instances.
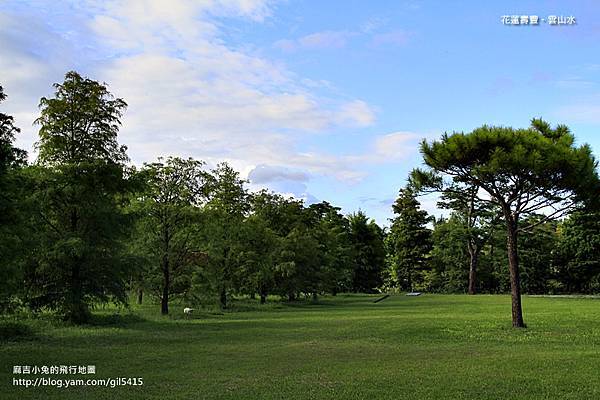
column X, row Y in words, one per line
column 320, row 100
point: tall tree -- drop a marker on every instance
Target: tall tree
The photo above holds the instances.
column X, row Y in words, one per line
column 478, row 219
column 521, row 171
column 448, row 257
column 259, row 256
column 331, row 230
column 368, row 253
column 80, row 182
column 10, row 156
column 228, row 205
column 80, row 124
column 11, row 217
column 410, row 239
column 168, row 210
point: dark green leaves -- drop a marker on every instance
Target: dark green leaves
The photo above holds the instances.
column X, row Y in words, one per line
column 80, row 123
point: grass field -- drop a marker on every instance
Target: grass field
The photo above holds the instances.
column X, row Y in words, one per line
column 345, row 347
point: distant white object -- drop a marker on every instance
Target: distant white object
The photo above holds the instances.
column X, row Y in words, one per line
column 413, row 294
column 188, row 310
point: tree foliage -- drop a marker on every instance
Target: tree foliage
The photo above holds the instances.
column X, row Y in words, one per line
column 409, row 240
column 12, row 214
column 167, row 224
column 521, row 171
column 368, row 253
column 79, row 190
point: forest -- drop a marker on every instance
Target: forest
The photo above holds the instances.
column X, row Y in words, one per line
column 82, row 226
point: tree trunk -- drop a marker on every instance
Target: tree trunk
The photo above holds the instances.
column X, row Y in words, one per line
column 291, row 296
column 513, row 265
column 140, row 295
column 77, row 309
column 164, row 305
column 474, row 258
column 314, row 297
column 263, row 298
column 223, row 298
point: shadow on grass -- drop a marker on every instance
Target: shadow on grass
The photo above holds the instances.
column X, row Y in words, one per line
column 119, row 320
column 12, row 331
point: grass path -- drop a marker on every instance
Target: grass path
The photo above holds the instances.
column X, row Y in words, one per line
column 428, row 347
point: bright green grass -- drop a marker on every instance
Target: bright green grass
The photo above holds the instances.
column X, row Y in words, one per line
column 429, row 347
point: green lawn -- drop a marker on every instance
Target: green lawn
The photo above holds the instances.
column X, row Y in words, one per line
column 345, row 347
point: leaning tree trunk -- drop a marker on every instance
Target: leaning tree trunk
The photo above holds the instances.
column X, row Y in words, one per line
column 513, row 266
column 474, row 259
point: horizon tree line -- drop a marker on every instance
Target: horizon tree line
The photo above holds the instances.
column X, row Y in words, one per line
column 82, row 226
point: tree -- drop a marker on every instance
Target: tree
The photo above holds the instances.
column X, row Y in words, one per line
column 331, row 230
column 10, row 156
column 368, row 253
column 262, row 258
column 281, row 216
column 448, row 257
column 410, row 239
column 80, row 124
column 259, row 256
column 577, row 254
column 521, row 171
column 537, row 251
column 168, row 210
column 478, row 219
column 12, row 219
column 79, row 187
column 227, row 207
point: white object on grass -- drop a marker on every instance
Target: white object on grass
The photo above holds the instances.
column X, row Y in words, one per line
column 413, row 294
column 188, row 310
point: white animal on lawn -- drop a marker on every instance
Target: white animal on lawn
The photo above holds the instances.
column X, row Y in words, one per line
column 188, row 310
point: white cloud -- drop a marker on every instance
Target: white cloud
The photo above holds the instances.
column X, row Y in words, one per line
column 389, row 148
column 398, row 38
column 317, row 41
column 189, row 93
column 397, row 145
column 356, row 112
column 325, row 39
column 583, row 112
column 269, row 173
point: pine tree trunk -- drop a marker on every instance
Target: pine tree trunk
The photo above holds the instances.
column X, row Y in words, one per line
column 474, row 258
column 513, row 265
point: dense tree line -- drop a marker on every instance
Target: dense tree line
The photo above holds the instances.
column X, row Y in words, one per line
column 81, row 225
